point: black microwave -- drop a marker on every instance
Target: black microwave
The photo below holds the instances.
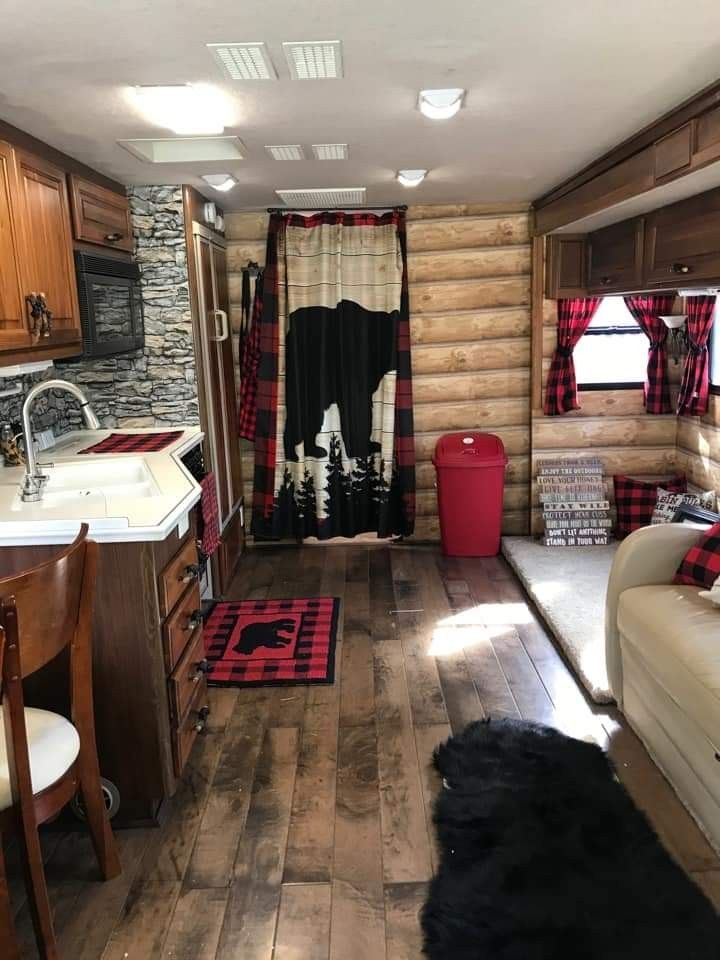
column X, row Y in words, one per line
column 110, row 305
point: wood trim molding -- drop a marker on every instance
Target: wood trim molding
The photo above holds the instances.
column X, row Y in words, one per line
column 536, row 323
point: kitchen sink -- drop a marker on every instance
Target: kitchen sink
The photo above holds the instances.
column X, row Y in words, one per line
column 90, row 483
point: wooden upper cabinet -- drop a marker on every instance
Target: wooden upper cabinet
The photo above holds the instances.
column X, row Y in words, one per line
column 100, row 216
column 565, row 270
column 46, row 262
column 14, row 334
column 682, row 243
column 673, row 154
column 615, row 258
column 707, row 137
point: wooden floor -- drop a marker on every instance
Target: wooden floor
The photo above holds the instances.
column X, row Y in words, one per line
column 302, row 829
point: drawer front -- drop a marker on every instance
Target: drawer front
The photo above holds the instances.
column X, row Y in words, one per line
column 615, row 257
column 187, row 676
column 177, row 575
column 100, row 216
column 683, row 243
column 180, row 626
column 183, row 734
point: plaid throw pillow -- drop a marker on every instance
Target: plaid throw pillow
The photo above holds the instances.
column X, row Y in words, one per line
column 701, row 564
column 667, row 503
column 635, row 500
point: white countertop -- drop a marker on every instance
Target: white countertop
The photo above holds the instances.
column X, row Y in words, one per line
column 151, row 512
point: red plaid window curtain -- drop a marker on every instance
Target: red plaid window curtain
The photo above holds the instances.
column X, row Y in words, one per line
column 647, row 312
column 695, row 386
column 574, row 318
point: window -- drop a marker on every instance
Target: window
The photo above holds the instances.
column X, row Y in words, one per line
column 614, row 350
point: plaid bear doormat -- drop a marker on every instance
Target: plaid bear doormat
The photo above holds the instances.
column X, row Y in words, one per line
column 255, row 643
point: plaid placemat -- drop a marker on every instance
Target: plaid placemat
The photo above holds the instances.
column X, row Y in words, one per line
column 255, row 643
column 134, row 442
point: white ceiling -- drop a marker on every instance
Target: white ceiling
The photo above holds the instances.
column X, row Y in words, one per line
column 551, row 84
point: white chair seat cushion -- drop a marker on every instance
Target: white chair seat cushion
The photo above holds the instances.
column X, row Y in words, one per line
column 53, row 746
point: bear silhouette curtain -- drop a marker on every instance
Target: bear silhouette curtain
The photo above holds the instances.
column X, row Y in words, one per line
column 334, row 445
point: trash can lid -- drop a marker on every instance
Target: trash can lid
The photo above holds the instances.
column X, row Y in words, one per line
column 471, row 449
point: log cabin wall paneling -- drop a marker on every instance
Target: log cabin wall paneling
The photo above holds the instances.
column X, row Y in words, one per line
column 469, row 276
column 698, row 447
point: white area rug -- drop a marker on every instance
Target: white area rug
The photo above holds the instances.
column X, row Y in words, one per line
column 568, row 586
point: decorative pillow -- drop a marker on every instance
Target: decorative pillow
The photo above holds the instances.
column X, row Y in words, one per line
column 668, row 502
column 713, row 594
column 635, row 500
column 701, row 565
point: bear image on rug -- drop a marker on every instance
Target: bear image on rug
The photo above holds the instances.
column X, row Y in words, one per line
column 544, row 856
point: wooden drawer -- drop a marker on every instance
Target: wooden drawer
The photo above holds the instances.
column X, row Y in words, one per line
column 187, row 676
column 100, row 216
column 173, row 581
column 615, row 258
column 180, row 626
column 183, row 734
column 682, row 243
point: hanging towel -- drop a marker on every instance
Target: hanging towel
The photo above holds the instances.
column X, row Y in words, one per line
column 210, row 537
column 250, row 361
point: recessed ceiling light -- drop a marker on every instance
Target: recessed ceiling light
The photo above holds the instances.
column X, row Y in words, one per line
column 314, row 59
column 286, row 151
column 244, row 61
column 441, row 104
column 185, row 149
column 411, row 178
column 323, row 197
column 330, row 151
column 185, row 108
column 220, row 181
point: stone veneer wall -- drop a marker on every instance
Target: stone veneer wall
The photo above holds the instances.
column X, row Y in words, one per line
column 153, row 386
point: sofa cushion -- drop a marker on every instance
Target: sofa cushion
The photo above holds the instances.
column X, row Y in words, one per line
column 700, row 566
column 677, row 635
column 635, row 500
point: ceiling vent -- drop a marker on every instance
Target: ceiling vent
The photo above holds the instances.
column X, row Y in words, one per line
column 314, row 59
column 323, row 197
column 243, row 61
column 185, row 149
column 286, row 151
column 330, row 151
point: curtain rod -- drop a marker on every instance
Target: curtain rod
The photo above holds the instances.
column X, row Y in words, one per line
column 402, row 207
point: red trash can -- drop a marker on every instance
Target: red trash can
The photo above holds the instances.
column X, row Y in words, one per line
column 470, row 482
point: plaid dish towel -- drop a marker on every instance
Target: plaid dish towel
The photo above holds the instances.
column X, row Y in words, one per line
column 210, row 538
column 134, row 442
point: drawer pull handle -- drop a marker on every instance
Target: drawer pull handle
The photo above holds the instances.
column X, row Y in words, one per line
column 194, row 619
column 680, row 268
column 191, row 572
column 605, row 281
column 202, row 714
column 202, row 668
column 113, row 237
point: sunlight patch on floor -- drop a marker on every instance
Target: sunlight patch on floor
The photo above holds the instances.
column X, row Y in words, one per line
column 489, row 614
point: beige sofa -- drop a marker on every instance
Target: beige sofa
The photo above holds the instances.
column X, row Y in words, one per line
column 663, row 658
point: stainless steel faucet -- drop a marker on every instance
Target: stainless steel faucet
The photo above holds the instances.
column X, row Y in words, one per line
column 33, row 482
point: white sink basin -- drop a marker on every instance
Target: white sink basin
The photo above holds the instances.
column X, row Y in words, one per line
column 89, row 483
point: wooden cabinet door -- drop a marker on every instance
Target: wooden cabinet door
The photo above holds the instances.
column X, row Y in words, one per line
column 566, row 266
column 14, row 333
column 682, row 243
column 47, row 262
column 615, row 258
column 100, row 216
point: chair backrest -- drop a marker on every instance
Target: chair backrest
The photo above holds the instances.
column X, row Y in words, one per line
column 53, row 602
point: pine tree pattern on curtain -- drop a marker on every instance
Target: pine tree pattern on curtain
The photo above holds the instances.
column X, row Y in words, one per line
column 695, row 387
column 334, row 432
column 574, row 318
column 647, row 312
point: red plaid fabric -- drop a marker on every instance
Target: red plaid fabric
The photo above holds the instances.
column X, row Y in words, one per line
column 647, row 312
column 695, row 387
column 272, row 642
column 249, row 366
column 701, row 565
column 210, row 537
column 134, row 442
column 402, row 489
column 635, row 500
column 574, row 317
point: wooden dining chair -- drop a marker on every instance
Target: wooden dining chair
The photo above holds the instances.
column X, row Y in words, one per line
column 46, row 758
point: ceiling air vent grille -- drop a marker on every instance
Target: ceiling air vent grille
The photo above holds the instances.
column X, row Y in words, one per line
column 243, row 61
column 323, row 197
column 330, row 151
column 314, row 59
column 286, row 151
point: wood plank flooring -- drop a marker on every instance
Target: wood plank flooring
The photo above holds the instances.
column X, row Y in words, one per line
column 302, row 830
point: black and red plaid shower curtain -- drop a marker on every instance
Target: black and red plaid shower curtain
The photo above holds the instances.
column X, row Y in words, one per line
column 334, row 445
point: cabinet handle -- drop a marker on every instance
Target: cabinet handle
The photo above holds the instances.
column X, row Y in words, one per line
column 202, row 668
column 194, row 619
column 605, row 281
column 191, row 572
column 680, row 268
column 202, row 714
column 114, row 237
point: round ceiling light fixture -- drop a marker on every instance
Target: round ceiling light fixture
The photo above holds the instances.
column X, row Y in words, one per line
column 410, row 178
column 441, row 104
column 220, row 181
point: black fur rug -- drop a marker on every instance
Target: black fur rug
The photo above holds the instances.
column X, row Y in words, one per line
column 544, row 856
